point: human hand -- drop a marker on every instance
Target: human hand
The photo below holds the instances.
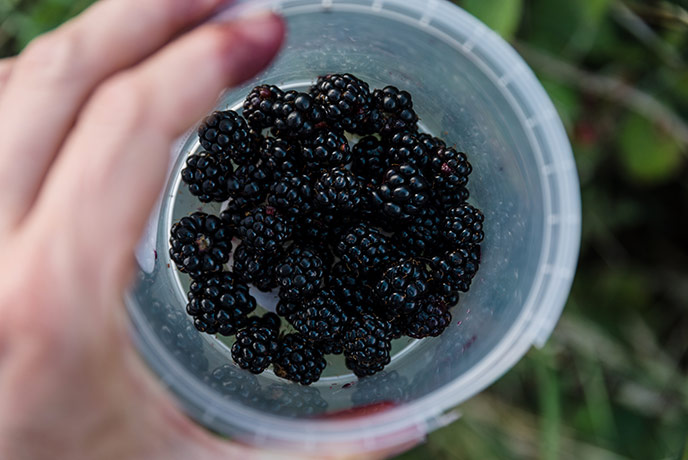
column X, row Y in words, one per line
column 87, row 116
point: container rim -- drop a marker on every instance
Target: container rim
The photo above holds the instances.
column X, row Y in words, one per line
column 542, row 307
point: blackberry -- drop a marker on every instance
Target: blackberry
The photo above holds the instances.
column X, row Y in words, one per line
column 206, row 175
column 346, row 100
column 363, row 248
column 287, row 308
column 236, row 210
column 281, row 157
column 250, row 182
column 404, row 192
column 449, row 170
column 401, row 288
column 338, row 190
column 264, row 230
column 370, row 159
column 269, row 320
column 328, row 148
column 421, row 235
column 321, row 319
column 256, row 268
column 219, row 303
column 463, row 226
column 297, row 115
column 457, row 268
column 367, row 344
column 259, row 106
column 398, row 327
column 299, row 273
column 255, row 348
column 316, row 226
column 331, row 348
column 396, row 107
column 431, row 143
column 351, row 289
column 408, row 148
column 226, row 133
column 431, row 319
column 299, row 361
column 200, row 243
column 450, row 199
column 292, row 194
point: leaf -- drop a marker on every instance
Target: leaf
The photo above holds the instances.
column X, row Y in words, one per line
column 648, row 154
column 502, row 16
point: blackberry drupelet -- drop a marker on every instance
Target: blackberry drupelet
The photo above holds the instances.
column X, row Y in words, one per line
column 396, row 108
column 331, row 348
column 226, row 133
column 199, row 244
column 259, row 106
column 286, row 308
column 421, row 234
column 449, row 170
column 297, row 115
column 250, row 182
column 326, row 149
column 255, row 348
column 364, row 248
column 256, row 268
column 367, row 345
column 347, row 102
column 299, row 360
column 338, row 190
column 264, row 230
column 401, row 288
column 269, row 320
column 292, row 194
column 408, row 148
column 450, row 199
column 431, row 143
column 463, row 226
column 431, row 319
column 236, row 210
column 352, row 290
column 206, row 175
column 281, row 157
column 219, row 303
column 370, row 159
column 457, row 268
column 315, row 226
column 404, row 192
column 321, row 319
column 300, row 273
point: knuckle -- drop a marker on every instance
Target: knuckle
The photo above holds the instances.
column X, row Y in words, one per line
column 52, row 57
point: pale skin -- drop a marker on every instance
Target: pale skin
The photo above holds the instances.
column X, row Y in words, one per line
column 87, row 116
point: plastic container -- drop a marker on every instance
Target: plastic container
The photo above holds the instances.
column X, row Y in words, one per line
column 473, row 90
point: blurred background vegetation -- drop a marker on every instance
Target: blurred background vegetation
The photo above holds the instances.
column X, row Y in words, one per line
column 612, row 383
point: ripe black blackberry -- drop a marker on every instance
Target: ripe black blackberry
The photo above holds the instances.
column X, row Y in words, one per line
column 226, row 133
column 364, row 248
column 259, row 106
column 449, row 170
column 401, row 288
column 281, row 157
column 256, row 268
column 219, row 303
column 457, row 268
column 264, row 230
column 367, row 345
column 346, row 100
column 236, row 210
column 403, row 193
column 321, row 319
column 326, row 149
column 396, row 108
column 269, row 320
column 297, row 115
column 463, row 226
column 408, row 148
column 286, row 308
column 199, row 244
column 250, row 182
column 292, row 194
column 315, row 226
column 431, row 319
column 450, row 199
column 206, row 175
column 299, row 360
column 370, row 159
column 331, row 348
column 338, row 190
column 431, row 143
column 421, row 234
column 352, row 290
column 300, row 273
column 255, row 348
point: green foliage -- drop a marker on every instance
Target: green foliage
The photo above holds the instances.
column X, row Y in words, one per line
column 503, row 16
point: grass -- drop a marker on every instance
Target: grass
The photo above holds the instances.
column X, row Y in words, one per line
column 612, row 381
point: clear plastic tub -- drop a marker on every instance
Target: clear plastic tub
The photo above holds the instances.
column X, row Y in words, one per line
column 473, row 90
